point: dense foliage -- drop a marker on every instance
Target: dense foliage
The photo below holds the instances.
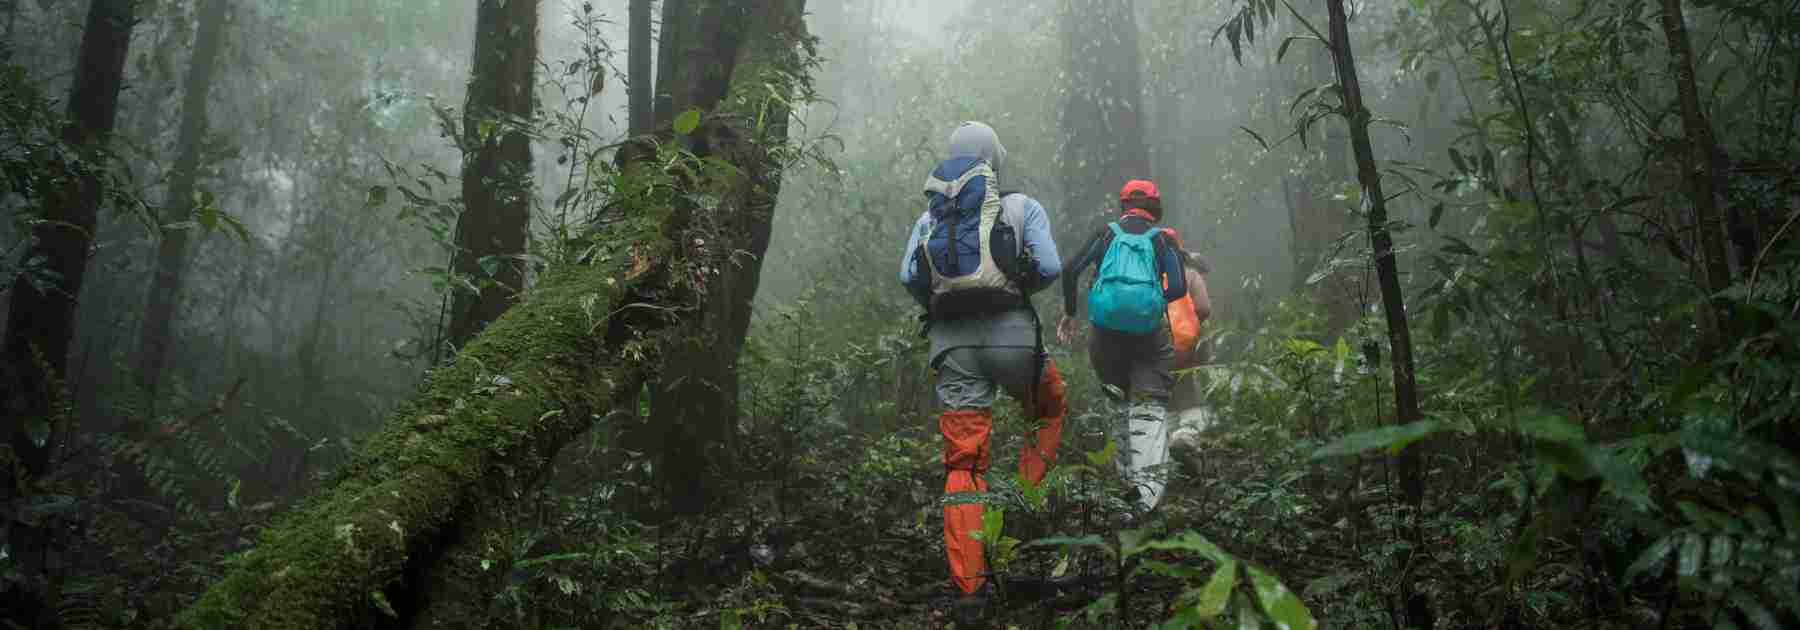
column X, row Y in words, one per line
column 1594, row 235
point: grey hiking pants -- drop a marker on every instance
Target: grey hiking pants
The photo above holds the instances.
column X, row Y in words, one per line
column 1139, row 366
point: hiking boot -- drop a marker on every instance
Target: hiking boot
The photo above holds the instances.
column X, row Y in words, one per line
column 970, row 610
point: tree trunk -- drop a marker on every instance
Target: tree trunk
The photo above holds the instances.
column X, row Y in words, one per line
column 694, row 414
column 496, row 174
column 1101, row 111
column 673, row 12
column 415, row 523
column 640, row 83
column 1715, row 268
column 1406, row 403
column 41, row 323
column 171, row 253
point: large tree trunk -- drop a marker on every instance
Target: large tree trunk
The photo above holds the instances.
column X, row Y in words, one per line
column 1101, row 112
column 1699, row 172
column 694, row 414
column 419, row 519
column 1417, row 605
column 171, row 254
column 640, row 83
column 41, row 323
column 496, row 174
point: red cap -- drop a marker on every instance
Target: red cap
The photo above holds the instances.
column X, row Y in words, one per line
column 1139, row 189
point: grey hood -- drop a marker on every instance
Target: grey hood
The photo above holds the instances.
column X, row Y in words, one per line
column 977, row 140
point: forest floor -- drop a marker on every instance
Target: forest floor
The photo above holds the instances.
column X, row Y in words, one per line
column 862, row 574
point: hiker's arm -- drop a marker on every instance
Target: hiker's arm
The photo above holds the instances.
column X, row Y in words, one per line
column 910, row 276
column 1172, row 269
column 1042, row 245
column 1197, row 291
column 1071, row 275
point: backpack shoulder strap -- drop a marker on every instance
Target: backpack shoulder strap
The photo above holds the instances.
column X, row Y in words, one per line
column 1012, row 211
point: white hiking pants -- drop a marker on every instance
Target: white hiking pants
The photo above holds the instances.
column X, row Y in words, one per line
column 1144, row 450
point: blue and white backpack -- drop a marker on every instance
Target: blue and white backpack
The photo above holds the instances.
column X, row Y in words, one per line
column 972, row 247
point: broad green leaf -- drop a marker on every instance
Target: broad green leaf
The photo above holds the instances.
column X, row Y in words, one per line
column 1183, row 620
column 1391, row 438
column 1070, row 542
column 730, row 620
column 1748, row 456
column 1652, row 556
column 1623, row 472
column 490, row 265
column 1217, row 592
column 1720, row 554
column 1105, row 455
column 687, row 122
column 1569, row 460
column 1553, row 428
column 1281, row 604
column 1693, row 549
column 1188, row 541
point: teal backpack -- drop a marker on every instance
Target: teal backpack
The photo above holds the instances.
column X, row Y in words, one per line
column 1127, row 295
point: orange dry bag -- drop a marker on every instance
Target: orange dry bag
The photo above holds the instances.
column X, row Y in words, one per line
column 1184, row 323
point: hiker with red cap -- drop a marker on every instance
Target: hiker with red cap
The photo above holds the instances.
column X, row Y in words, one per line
column 1139, row 273
column 975, row 257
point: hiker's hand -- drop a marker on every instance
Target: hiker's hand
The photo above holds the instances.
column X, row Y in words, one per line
column 1067, row 330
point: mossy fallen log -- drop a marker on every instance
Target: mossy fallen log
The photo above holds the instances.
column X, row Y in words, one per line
column 407, row 534
column 489, row 421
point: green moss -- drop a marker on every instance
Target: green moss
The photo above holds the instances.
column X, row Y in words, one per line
column 479, row 427
column 318, row 567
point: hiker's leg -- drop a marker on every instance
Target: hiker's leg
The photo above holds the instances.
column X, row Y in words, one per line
column 1186, row 410
column 1148, row 416
column 1047, row 403
column 966, row 423
column 1111, row 355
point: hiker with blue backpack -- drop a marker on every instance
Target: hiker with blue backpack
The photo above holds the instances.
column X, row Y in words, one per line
column 1139, row 272
column 975, row 257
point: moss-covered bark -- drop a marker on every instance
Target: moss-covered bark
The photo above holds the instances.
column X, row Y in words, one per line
column 533, row 380
column 410, row 533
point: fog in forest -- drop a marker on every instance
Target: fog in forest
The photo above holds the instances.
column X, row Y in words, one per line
column 602, row 314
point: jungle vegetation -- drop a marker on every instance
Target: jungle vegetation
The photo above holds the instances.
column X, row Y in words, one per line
column 582, row 313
